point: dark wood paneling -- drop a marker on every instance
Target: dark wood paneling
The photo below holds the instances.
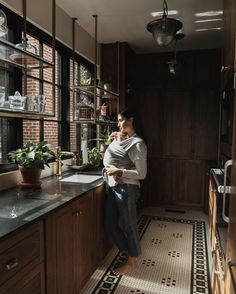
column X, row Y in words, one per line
column 176, row 125
column 150, row 101
column 206, row 121
column 179, row 115
column 174, row 182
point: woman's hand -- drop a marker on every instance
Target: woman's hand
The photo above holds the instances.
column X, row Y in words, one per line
column 114, row 171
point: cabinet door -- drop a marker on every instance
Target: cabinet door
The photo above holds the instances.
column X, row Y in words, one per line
column 22, row 261
column 99, row 238
column 59, row 238
column 212, row 214
column 83, row 242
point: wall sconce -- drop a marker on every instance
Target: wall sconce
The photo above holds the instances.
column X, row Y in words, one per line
column 165, row 28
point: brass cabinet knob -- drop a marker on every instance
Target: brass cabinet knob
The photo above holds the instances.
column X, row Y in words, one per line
column 78, row 213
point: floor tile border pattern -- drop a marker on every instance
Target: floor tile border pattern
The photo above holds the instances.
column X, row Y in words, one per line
column 200, row 267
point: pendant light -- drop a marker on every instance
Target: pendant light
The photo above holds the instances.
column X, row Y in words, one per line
column 174, row 66
column 165, row 28
column 25, row 45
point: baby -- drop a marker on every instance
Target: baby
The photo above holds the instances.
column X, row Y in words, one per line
column 115, row 136
column 118, row 136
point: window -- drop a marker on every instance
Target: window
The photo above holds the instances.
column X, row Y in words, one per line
column 59, row 130
column 80, row 134
column 39, row 81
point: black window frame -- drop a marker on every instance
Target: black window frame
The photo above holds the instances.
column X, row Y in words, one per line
column 15, row 23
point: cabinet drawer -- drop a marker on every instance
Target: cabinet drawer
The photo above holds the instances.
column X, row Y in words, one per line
column 19, row 251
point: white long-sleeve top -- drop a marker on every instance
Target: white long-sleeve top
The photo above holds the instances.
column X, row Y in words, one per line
column 130, row 156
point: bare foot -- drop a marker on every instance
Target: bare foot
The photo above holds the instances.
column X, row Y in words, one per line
column 127, row 267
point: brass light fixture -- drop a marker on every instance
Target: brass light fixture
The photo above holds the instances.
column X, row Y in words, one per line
column 165, row 28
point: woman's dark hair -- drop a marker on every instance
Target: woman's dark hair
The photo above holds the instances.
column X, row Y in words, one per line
column 128, row 113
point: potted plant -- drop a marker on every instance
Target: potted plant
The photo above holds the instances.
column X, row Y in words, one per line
column 94, row 157
column 31, row 159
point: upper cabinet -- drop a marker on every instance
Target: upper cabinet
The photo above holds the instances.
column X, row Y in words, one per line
column 229, row 34
column 31, row 64
column 227, row 81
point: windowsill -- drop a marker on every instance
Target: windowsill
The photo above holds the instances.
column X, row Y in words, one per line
column 13, row 178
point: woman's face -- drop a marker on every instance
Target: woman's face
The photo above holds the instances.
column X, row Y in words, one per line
column 125, row 124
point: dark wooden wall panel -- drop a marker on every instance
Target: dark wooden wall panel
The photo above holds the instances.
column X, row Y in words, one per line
column 179, row 116
column 206, row 120
column 176, row 123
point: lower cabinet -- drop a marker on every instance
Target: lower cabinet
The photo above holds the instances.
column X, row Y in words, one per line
column 22, row 262
column 75, row 242
column 218, row 276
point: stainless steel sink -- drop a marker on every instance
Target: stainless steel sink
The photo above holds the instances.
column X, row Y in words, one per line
column 83, row 179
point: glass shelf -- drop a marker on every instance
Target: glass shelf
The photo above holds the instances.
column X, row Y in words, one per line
column 15, row 56
column 100, row 92
column 10, row 54
column 9, row 112
column 83, row 111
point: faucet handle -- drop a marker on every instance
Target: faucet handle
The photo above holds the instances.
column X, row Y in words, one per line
column 58, row 151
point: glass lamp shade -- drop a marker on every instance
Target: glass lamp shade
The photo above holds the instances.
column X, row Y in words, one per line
column 164, row 29
column 25, row 45
column 3, row 24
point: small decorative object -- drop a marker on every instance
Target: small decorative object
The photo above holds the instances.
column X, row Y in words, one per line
column 17, row 101
column 94, row 157
column 104, row 109
column 41, row 102
column 107, row 86
column 31, row 159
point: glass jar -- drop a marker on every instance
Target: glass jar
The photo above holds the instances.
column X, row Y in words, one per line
column 2, row 96
column 3, row 24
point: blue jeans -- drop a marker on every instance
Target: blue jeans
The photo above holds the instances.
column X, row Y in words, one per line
column 121, row 201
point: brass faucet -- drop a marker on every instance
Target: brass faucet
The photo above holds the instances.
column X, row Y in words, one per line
column 59, row 153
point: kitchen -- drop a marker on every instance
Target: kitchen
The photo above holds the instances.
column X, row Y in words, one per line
column 187, row 117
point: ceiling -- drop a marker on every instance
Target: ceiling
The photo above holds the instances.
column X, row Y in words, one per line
column 126, row 20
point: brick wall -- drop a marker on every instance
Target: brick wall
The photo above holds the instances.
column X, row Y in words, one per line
column 51, row 133
column 31, row 131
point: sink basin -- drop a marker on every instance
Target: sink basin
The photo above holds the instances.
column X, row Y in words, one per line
column 84, row 179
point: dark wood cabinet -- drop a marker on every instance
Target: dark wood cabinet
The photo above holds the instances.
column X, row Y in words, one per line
column 22, row 262
column 83, row 240
column 218, row 275
column 75, row 242
column 179, row 183
column 227, row 81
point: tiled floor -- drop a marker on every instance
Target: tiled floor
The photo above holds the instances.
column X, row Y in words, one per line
column 173, row 261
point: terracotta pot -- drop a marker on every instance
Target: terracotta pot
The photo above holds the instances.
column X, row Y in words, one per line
column 31, row 177
column 107, row 86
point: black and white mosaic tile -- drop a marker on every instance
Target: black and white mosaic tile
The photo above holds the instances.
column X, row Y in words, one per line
column 174, row 260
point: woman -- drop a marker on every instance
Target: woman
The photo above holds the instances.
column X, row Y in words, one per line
column 125, row 164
